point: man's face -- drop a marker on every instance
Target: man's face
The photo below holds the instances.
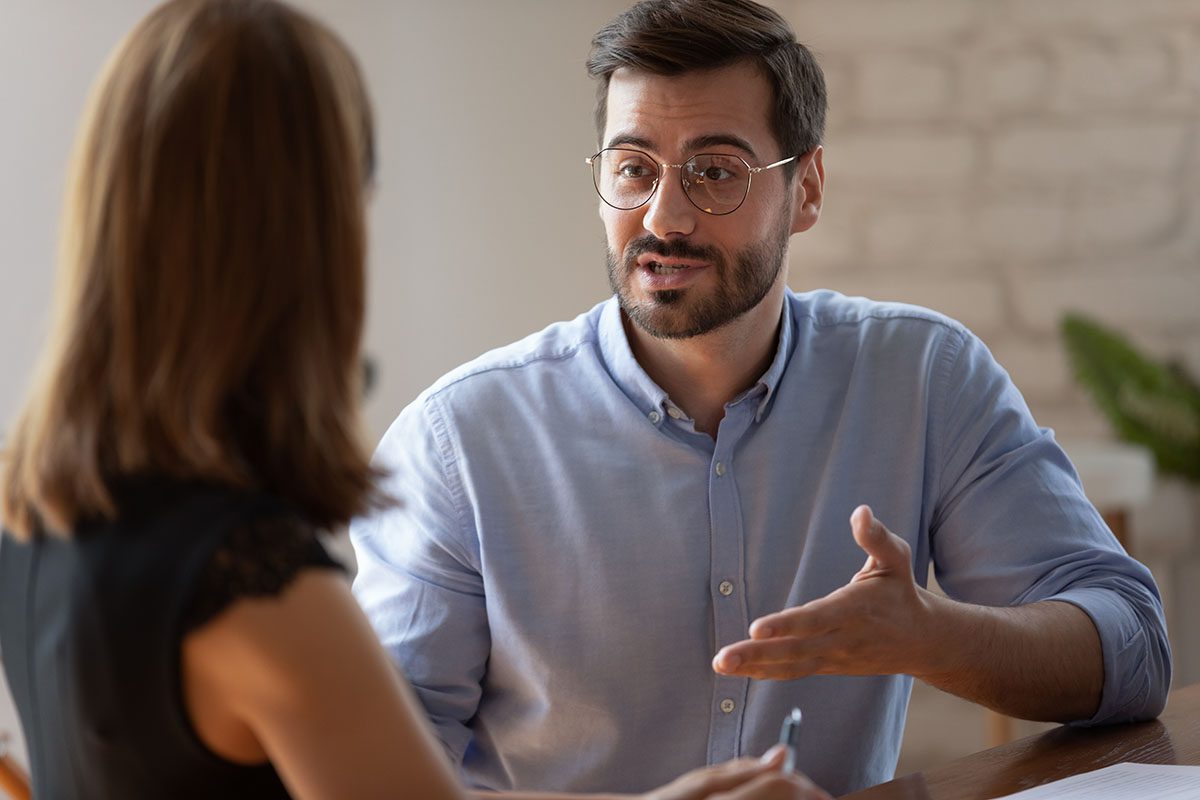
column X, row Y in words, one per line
column 678, row 271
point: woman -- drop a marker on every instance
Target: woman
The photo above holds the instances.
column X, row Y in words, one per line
column 171, row 625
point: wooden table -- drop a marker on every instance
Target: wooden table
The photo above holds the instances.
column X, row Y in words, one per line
column 1174, row 738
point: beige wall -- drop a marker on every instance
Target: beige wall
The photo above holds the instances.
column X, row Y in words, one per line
column 484, row 222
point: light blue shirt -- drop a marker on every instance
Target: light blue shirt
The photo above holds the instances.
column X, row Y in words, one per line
column 571, row 553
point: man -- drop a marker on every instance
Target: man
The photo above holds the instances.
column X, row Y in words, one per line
column 631, row 543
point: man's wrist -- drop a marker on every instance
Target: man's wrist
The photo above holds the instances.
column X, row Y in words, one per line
column 944, row 633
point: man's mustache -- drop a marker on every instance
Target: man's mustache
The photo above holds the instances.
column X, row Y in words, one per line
column 675, row 248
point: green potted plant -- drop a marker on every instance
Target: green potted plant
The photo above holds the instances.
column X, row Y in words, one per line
column 1153, row 404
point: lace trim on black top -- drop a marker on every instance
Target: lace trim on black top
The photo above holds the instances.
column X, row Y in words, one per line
column 258, row 558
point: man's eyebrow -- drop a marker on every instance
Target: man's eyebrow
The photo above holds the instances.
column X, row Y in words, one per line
column 692, row 146
column 714, row 139
column 630, row 140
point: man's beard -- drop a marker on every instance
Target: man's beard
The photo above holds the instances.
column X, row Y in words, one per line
column 683, row 313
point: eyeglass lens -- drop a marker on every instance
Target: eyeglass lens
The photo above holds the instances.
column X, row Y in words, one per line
column 627, row 179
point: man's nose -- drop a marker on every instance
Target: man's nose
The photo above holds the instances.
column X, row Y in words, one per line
column 669, row 211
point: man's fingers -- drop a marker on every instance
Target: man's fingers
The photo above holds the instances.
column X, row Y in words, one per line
column 775, row 657
column 833, row 634
column 812, row 618
column 784, row 670
column 885, row 550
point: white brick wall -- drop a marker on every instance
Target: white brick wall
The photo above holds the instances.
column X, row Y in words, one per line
column 932, row 231
column 1068, row 16
column 839, row 24
column 1012, row 78
column 1006, row 161
column 1126, row 218
column 1017, row 228
column 1138, row 298
column 885, row 157
column 905, row 85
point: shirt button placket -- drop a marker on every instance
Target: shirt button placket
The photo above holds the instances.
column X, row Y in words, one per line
column 729, row 692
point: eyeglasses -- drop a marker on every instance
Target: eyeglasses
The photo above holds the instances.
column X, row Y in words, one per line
column 715, row 183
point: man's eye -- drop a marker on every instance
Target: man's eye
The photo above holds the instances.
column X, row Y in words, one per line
column 633, row 171
column 716, row 174
column 716, row 169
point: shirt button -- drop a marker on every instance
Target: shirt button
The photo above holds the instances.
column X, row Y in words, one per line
column 655, row 417
column 720, row 468
column 726, row 588
column 727, row 705
column 674, row 413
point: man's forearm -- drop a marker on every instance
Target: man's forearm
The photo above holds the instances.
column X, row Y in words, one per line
column 1040, row 661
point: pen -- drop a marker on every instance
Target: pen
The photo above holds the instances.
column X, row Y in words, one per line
column 789, row 737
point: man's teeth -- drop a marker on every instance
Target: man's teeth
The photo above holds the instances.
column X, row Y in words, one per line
column 663, row 269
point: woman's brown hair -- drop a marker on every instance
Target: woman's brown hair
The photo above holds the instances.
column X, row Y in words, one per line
column 211, row 285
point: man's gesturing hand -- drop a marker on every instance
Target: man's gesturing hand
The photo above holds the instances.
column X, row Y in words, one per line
column 870, row 626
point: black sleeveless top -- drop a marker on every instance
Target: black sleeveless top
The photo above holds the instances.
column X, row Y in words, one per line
column 91, row 629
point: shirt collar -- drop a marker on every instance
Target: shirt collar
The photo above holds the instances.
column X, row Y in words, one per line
column 649, row 396
column 624, row 368
column 783, row 355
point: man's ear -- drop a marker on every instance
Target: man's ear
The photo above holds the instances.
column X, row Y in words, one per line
column 809, row 190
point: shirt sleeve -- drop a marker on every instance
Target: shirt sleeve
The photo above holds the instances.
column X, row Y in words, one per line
column 1011, row 525
column 419, row 579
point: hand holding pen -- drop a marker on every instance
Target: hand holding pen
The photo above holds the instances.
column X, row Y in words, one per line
column 773, row 777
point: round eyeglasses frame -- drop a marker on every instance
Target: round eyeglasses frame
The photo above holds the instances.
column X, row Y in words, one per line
column 663, row 167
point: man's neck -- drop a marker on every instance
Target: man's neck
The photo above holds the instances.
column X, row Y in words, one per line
column 701, row 374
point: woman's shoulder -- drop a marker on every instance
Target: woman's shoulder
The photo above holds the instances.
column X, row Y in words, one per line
column 197, row 546
column 258, row 554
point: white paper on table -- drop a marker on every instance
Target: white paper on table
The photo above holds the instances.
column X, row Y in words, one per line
column 1121, row 782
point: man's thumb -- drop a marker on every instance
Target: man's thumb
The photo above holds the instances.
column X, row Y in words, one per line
column 884, row 549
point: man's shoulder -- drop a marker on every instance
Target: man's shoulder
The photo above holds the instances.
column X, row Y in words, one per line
column 558, row 348
column 828, row 311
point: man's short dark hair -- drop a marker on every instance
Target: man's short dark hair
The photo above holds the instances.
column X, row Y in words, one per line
column 671, row 37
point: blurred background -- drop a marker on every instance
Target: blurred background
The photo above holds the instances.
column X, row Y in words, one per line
column 1002, row 161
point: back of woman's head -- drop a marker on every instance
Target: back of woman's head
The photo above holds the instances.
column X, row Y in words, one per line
column 211, row 281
